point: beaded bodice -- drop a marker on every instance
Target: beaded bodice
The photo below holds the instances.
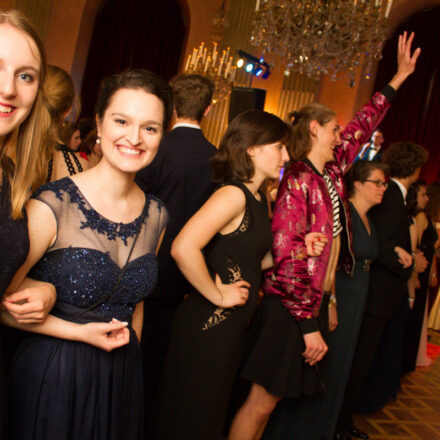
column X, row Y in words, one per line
column 89, row 251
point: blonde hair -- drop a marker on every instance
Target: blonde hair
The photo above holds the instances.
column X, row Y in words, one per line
column 30, row 140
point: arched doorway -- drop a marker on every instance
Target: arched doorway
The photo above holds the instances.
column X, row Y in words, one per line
column 414, row 113
column 133, row 33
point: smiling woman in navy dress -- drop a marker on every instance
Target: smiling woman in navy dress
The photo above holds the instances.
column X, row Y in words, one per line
column 85, row 380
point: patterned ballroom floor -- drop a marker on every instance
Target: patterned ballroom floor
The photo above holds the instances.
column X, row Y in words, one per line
column 415, row 415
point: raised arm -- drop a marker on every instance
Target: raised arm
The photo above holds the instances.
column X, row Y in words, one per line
column 223, row 212
column 366, row 120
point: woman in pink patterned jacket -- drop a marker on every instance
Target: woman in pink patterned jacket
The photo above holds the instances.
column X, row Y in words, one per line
column 284, row 354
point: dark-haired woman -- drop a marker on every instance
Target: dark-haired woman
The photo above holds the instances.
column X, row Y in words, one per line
column 289, row 330
column 221, row 252
column 79, row 376
column 425, row 212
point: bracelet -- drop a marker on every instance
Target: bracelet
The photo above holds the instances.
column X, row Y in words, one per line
column 332, row 301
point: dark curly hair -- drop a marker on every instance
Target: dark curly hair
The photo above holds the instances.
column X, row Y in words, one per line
column 250, row 128
column 411, row 198
column 403, row 158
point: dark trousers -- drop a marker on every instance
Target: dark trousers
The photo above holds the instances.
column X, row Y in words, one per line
column 156, row 333
column 369, row 338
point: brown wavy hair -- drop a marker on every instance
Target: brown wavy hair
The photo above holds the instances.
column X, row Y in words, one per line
column 30, row 141
column 250, row 128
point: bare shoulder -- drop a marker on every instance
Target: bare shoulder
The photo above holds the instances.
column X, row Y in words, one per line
column 230, row 196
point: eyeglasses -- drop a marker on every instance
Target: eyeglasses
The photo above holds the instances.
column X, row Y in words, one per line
column 378, row 183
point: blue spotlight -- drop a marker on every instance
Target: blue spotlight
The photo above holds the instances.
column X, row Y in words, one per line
column 258, row 71
column 249, row 67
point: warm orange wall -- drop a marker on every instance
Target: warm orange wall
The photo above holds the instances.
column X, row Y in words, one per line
column 71, row 23
column 201, row 13
column 7, row 4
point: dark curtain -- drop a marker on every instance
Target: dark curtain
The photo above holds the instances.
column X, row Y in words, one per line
column 415, row 113
column 133, row 33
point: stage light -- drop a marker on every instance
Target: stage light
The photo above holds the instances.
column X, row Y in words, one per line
column 253, row 65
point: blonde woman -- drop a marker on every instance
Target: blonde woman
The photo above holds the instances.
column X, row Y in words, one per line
column 24, row 154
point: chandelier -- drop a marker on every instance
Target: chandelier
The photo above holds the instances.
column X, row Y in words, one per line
column 216, row 65
column 321, row 36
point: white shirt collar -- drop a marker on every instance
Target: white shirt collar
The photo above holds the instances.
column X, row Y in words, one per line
column 403, row 190
column 186, row 124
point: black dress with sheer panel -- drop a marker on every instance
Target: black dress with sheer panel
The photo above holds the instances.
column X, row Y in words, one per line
column 14, row 247
column 62, row 389
column 207, row 341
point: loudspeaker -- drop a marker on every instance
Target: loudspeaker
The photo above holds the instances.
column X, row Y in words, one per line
column 245, row 98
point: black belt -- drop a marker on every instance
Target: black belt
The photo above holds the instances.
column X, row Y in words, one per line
column 363, row 264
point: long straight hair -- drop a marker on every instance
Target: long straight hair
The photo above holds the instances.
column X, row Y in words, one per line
column 30, row 142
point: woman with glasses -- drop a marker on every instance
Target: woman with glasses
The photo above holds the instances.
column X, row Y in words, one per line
column 366, row 186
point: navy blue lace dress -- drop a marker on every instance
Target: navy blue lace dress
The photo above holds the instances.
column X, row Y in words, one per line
column 68, row 390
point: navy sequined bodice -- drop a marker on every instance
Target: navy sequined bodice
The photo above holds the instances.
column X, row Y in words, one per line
column 90, row 250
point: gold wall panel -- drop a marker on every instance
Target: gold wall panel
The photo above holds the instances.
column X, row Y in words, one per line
column 38, row 12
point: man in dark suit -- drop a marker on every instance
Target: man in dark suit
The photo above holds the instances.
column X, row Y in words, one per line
column 387, row 293
column 180, row 175
column 373, row 149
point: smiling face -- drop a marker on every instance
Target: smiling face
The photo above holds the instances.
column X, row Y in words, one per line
column 131, row 129
column 325, row 138
column 19, row 77
column 372, row 190
column 269, row 159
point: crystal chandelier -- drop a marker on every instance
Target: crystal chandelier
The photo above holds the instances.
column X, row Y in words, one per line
column 321, row 36
column 216, row 65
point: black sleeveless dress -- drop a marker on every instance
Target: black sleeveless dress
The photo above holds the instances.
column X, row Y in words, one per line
column 207, row 340
column 414, row 322
column 14, row 247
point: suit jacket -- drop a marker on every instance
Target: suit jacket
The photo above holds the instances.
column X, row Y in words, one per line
column 388, row 278
column 180, row 175
column 365, row 153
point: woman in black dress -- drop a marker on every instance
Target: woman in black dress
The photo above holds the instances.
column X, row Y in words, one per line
column 425, row 213
column 24, row 122
column 221, row 251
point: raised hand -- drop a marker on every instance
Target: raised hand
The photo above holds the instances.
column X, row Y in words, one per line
column 234, row 294
column 406, row 63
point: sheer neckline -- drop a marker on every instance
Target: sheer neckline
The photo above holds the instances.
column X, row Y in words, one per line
column 136, row 220
column 92, row 218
